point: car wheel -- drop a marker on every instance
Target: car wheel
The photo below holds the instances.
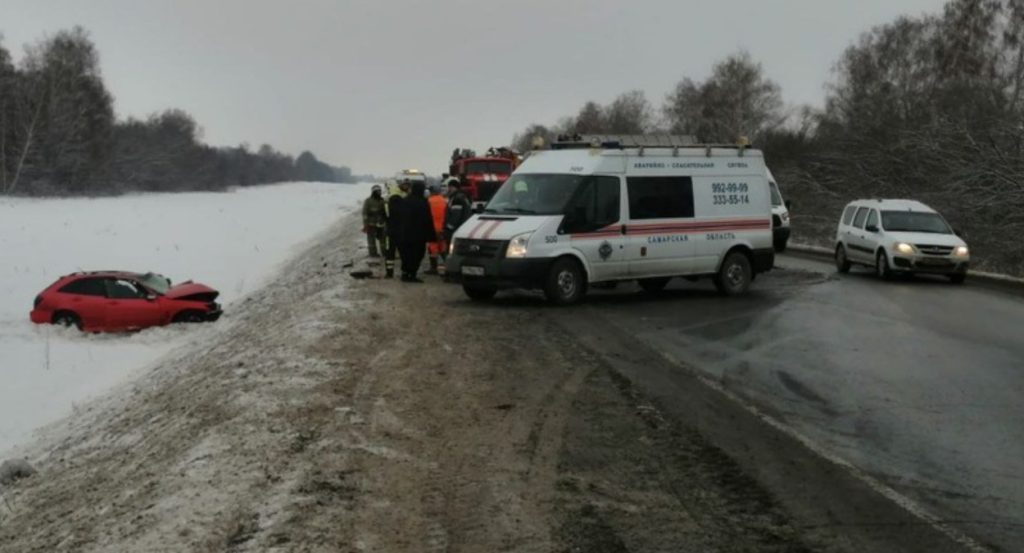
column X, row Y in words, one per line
column 653, row 285
column 67, row 319
column 189, row 317
column 842, row 262
column 958, row 278
column 479, row 293
column 882, row 266
column 735, row 274
column 565, row 284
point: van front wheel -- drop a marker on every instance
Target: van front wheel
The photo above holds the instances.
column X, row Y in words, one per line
column 734, row 276
column 565, row 283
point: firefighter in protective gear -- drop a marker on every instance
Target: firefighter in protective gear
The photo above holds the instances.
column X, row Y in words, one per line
column 437, row 247
column 395, row 222
column 459, row 209
column 375, row 222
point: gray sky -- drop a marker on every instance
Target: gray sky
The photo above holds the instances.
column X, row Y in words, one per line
column 384, row 85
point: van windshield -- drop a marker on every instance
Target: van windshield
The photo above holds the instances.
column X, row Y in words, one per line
column 535, row 194
column 914, row 221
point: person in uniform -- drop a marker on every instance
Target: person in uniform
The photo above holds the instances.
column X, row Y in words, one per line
column 375, row 222
column 395, row 221
column 436, row 248
column 459, row 209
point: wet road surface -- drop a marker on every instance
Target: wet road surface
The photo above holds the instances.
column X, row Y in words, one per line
column 916, row 382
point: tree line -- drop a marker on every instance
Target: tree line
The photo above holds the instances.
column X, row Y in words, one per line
column 59, row 135
column 928, row 107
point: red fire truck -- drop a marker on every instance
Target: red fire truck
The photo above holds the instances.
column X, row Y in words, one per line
column 481, row 176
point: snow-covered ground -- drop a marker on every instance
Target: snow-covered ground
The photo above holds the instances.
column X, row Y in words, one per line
column 232, row 241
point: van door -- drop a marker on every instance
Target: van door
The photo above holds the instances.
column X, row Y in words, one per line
column 593, row 223
column 856, row 243
column 659, row 225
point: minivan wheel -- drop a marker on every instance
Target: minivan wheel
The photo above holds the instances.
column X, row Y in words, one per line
column 882, row 266
column 842, row 262
column 67, row 319
column 734, row 276
column 566, row 283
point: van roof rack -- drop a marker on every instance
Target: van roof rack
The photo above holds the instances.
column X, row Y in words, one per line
column 620, row 141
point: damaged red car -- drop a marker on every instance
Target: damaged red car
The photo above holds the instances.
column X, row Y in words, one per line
column 114, row 301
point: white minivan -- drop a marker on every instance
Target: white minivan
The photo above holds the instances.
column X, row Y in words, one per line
column 899, row 236
column 587, row 212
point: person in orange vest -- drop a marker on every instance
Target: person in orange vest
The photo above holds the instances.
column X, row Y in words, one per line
column 437, row 248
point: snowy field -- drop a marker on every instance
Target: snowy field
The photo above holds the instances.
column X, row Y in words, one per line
column 231, row 241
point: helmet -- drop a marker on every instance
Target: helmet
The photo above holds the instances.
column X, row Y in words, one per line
column 375, row 188
column 453, row 181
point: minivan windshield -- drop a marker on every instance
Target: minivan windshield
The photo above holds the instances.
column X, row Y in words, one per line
column 776, row 197
column 535, row 194
column 914, row 221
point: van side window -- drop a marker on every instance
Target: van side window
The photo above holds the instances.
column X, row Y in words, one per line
column 848, row 214
column 660, row 197
column 595, row 204
column 862, row 214
column 872, row 219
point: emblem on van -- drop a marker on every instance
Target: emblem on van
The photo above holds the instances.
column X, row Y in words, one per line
column 605, row 251
column 475, row 248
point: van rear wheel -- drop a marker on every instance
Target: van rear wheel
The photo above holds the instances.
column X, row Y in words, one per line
column 734, row 275
column 479, row 293
column 566, row 283
column 842, row 262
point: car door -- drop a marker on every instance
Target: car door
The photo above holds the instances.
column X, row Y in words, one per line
column 128, row 306
column 857, row 249
column 872, row 236
column 87, row 298
column 659, row 225
column 593, row 221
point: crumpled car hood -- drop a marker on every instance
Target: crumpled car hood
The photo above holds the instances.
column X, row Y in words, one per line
column 192, row 291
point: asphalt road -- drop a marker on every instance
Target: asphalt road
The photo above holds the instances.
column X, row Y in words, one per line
column 917, row 383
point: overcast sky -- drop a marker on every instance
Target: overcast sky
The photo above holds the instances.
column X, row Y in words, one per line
column 382, row 85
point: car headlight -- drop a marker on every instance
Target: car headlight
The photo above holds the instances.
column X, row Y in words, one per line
column 961, row 251
column 785, row 217
column 903, row 247
column 517, row 246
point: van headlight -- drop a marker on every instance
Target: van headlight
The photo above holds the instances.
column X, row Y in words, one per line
column 517, row 246
column 961, row 251
column 903, row 247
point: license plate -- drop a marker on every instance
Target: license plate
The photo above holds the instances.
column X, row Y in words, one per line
column 933, row 262
column 472, row 271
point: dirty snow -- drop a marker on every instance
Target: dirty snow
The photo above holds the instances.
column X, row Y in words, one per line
column 233, row 241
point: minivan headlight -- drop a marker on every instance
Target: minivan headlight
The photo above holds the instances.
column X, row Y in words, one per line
column 517, row 246
column 961, row 251
column 903, row 247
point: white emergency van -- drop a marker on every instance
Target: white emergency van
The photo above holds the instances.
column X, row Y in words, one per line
column 780, row 216
column 604, row 209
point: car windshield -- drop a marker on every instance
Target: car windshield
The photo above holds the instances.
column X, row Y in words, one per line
column 155, row 282
column 535, row 194
column 776, row 197
column 914, row 221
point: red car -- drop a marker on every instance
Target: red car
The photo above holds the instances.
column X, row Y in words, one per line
column 105, row 301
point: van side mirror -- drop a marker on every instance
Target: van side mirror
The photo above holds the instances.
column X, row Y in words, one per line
column 871, row 228
column 478, row 208
column 789, row 204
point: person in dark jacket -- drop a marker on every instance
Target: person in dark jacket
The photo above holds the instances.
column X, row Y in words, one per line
column 395, row 208
column 417, row 229
column 460, row 208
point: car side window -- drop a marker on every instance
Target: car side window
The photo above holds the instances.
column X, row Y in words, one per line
column 848, row 214
column 121, row 289
column 85, row 287
column 660, row 197
column 862, row 214
column 595, row 205
column 872, row 219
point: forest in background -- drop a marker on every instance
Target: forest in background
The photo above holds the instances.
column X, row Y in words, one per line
column 59, row 135
column 926, row 107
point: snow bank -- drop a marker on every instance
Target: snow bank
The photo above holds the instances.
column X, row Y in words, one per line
column 232, row 241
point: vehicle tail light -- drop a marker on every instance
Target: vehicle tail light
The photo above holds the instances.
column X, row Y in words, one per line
column 39, row 299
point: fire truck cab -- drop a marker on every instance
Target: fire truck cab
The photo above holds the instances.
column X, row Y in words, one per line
column 482, row 176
